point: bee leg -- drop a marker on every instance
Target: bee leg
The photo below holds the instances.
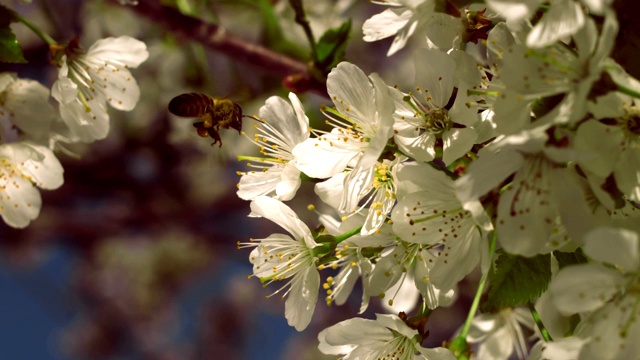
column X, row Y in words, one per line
column 215, row 136
column 201, row 129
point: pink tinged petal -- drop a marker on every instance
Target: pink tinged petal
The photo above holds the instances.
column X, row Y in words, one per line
column 303, row 295
column 585, row 287
column 600, row 145
column 564, row 18
column 330, row 191
column 385, row 24
column 435, row 74
column 289, row 182
column 615, row 246
column 124, row 49
column 282, row 215
column 319, row 158
column 527, row 211
column 456, row 143
column 259, row 183
column 486, row 173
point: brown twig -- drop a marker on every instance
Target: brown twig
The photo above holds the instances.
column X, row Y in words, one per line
column 217, row 38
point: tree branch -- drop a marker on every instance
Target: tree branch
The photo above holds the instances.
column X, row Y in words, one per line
column 212, row 36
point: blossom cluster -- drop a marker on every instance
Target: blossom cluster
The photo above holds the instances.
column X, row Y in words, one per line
column 32, row 128
column 520, row 128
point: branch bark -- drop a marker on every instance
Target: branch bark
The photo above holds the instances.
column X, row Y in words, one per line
column 217, row 38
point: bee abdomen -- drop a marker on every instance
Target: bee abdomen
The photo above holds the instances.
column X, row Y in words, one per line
column 191, row 105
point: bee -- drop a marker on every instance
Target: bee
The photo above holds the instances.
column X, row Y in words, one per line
column 214, row 113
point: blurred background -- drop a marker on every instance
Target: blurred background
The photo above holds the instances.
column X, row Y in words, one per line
column 135, row 257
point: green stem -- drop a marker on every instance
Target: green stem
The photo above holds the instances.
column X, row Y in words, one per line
column 459, row 345
column 342, row 237
column 301, row 19
column 628, row 91
column 536, row 317
column 44, row 36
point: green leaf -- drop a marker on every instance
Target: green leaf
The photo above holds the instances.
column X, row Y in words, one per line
column 570, row 258
column 10, row 50
column 517, row 280
column 331, row 46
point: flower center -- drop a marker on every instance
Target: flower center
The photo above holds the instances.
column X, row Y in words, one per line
column 437, row 121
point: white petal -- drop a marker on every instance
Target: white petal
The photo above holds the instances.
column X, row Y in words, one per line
column 434, row 72
column 321, row 159
column 600, row 146
column 123, row 49
column 385, row 24
column 585, row 287
column 352, row 92
column 26, row 103
column 43, row 167
column 301, row 303
column 615, row 246
column 487, row 172
column 289, row 124
column 282, row 215
column 88, row 126
column 257, row 183
column 564, row 18
column 289, row 182
column 514, row 10
column 330, row 191
column 456, row 143
column 443, row 30
column 356, row 331
column 420, row 148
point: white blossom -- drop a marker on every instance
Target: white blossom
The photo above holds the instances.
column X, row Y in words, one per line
column 282, row 257
column 281, row 128
column 23, row 167
column 87, row 81
column 386, row 337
